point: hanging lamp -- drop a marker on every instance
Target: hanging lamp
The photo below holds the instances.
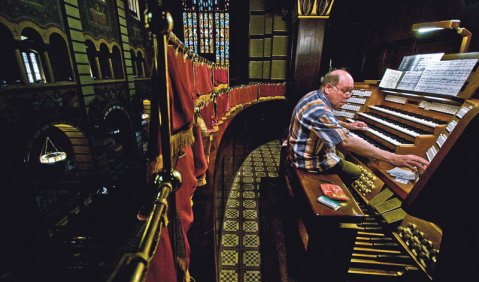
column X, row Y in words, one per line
column 48, row 156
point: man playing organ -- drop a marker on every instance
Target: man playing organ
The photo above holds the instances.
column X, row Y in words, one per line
column 315, row 133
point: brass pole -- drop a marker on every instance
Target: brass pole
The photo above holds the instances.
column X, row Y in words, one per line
column 133, row 266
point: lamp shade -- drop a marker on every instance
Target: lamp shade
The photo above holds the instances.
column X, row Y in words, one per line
column 430, row 26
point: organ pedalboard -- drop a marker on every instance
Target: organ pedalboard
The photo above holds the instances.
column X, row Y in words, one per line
column 403, row 234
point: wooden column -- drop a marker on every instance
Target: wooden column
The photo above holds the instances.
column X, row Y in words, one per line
column 308, row 37
column 309, row 26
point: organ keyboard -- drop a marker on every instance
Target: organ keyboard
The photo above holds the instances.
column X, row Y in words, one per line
column 406, row 116
column 419, row 230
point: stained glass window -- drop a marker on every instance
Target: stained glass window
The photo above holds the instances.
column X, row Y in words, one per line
column 206, row 27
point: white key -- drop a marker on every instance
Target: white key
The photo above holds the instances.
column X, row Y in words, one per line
column 392, row 125
column 401, row 115
column 384, row 137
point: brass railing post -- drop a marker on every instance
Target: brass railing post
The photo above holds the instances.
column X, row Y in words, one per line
column 133, row 266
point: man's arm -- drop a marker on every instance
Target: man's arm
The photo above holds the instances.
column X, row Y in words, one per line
column 359, row 146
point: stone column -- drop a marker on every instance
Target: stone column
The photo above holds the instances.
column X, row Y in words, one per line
column 48, row 67
column 21, row 67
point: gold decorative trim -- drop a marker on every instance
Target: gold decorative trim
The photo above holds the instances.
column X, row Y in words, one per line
column 202, row 181
column 203, row 100
column 313, row 12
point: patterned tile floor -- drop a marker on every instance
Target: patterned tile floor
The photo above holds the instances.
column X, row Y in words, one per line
column 240, row 243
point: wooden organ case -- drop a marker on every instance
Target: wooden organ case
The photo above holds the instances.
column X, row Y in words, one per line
column 425, row 229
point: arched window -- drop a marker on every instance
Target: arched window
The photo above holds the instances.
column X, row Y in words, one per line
column 206, row 28
column 33, row 66
column 9, row 73
column 117, row 63
column 140, row 64
column 59, row 58
column 134, row 8
column 91, row 53
column 30, row 47
column 133, row 62
column 104, row 56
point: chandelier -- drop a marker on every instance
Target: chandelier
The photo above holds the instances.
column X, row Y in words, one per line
column 50, row 154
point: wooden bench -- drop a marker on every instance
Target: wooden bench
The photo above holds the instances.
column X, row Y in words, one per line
column 328, row 235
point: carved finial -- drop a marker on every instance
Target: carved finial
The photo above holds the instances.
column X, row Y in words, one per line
column 158, row 20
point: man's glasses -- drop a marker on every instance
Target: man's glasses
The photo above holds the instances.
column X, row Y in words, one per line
column 347, row 93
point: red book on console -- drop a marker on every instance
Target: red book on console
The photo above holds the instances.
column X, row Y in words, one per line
column 333, row 191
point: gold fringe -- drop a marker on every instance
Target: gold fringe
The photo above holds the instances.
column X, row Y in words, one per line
column 203, row 99
column 178, row 142
column 203, row 129
column 157, row 165
column 184, row 267
column 187, row 276
column 201, row 181
column 182, row 139
column 220, row 87
column 261, row 99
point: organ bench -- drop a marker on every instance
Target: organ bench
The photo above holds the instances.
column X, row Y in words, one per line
column 328, row 235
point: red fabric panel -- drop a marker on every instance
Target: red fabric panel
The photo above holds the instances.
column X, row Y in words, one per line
column 208, row 115
column 206, row 76
column 223, row 76
column 281, row 90
column 218, row 76
column 253, row 95
column 233, row 99
column 197, row 81
column 222, row 106
column 199, row 154
column 162, row 267
column 185, row 165
column 245, row 95
column 203, row 83
column 188, row 69
column 265, row 90
column 242, row 96
column 182, row 105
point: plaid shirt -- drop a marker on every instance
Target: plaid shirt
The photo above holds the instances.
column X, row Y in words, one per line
column 314, row 133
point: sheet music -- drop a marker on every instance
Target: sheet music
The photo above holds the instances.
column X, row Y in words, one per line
column 390, row 78
column 409, row 80
column 418, row 62
column 445, row 77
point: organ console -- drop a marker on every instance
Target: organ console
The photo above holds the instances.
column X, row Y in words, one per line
column 419, row 217
column 425, row 229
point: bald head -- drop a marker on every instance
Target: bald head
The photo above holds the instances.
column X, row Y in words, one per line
column 337, row 85
column 334, row 77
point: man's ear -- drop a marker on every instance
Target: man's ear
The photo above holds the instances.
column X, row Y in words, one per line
column 327, row 88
